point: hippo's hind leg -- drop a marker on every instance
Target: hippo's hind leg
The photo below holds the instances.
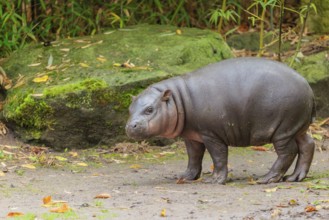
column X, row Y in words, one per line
column 287, row 151
column 305, row 156
column 195, row 152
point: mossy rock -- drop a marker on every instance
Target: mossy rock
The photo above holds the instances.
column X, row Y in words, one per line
column 315, row 68
column 81, row 94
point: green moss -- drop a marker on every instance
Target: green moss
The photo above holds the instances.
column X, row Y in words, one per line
column 313, row 68
column 89, row 85
column 31, row 113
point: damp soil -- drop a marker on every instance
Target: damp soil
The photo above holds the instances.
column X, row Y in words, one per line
column 144, row 187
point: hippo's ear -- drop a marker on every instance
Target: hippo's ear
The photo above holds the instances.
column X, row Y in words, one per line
column 166, row 95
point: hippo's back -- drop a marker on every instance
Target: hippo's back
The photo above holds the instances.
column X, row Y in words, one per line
column 249, row 100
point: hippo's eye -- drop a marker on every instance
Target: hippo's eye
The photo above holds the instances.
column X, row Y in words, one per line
column 149, row 110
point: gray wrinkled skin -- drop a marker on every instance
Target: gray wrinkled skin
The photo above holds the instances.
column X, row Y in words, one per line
column 236, row 102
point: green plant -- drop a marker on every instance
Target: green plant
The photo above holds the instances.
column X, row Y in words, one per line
column 224, row 14
column 303, row 14
column 263, row 5
column 14, row 28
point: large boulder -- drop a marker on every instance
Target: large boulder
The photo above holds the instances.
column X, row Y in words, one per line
column 75, row 93
column 315, row 68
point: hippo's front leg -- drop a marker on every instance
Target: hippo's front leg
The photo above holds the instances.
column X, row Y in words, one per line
column 219, row 155
column 195, row 152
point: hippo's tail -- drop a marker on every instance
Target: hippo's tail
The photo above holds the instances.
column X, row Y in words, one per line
column 313, row 111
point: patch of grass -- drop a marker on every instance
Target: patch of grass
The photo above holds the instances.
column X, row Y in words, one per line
column 67, row 215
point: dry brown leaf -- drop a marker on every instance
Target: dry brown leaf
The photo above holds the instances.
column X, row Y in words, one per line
column 62, row 209
column 102, row 196
column 259, row 148
column 310, row 208
column 14, row 214
column 47, row 200
column 181, row 181
column 251, row 181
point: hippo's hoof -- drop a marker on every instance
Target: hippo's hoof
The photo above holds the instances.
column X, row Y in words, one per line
column 269, row 178
column 190, row 174
column 214, row 179
column 295, row 177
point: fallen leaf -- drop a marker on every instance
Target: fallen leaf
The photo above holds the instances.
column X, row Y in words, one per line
column 47, row 200
column 181, row 181
column 251, row 181
column 135, row 166
column 34, row 64
column 50, row 61
column 73, row 154
column 14, row 214
column 41, row 79
column 258, row 148
column 62, row 209
column 212, row 167
column 178, row 32
column 317, row 137
column 65, row 49
column 82, row 164
column 271, row 190
column 101, row 59
column 117, row 64
column 29, row 166
column 167, row 153
column 102, row 196
column 86, row 46
column 293, row 202
column 163, row 213
column 310, row 208
column 60, row 158
column 20, row 81
column 2, row 173
column 84, row 65
column 275, row 213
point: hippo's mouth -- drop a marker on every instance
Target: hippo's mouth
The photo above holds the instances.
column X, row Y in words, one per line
column 137, row 132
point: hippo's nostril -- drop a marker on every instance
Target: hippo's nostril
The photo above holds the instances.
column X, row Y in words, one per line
column 135, row 126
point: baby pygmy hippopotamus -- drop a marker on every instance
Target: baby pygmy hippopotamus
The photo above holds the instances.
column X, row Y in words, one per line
column 235, row 102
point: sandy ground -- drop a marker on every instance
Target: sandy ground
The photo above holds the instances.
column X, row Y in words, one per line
column 148, row 190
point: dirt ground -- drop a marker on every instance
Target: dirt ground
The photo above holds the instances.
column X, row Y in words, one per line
column 141, row 185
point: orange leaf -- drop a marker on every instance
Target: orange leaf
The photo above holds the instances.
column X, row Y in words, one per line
column 14, row 214
column 181, row 181
column 102, row 196
column 259, row 148
column 46, row 200
column 62, row 209
column 310, row 208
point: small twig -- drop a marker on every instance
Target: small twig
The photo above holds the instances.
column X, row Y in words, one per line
column 280, row 28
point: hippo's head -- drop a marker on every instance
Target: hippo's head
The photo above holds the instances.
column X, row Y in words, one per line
column 152, row 113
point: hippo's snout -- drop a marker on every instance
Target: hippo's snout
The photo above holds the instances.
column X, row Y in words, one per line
column 136, row 129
